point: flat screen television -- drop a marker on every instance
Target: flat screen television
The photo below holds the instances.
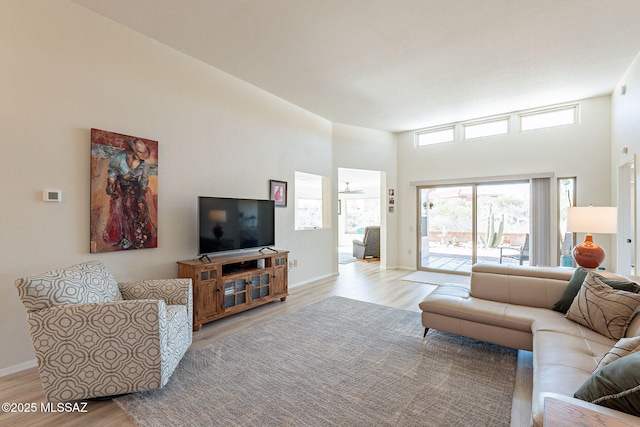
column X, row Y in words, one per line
column 228, row 224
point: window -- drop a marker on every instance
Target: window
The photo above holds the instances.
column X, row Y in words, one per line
column 486, row 128
column 499, row 125
column 311, row 201
column 435, row 136
column 549, row 118
column 361, row 213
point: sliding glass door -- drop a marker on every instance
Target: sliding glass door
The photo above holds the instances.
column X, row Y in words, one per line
column 446, row 228
column 464, row 224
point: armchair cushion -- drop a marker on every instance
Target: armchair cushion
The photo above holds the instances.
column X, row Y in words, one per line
column 84, row 283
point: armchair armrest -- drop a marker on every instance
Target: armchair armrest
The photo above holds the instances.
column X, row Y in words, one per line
column 171, row 291
column 510, row 248
column 109, row 348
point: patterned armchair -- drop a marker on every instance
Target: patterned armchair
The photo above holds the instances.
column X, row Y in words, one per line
column 95, row 337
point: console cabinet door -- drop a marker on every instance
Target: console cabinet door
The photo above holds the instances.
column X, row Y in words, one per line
column 206, row 304
column 235, row 291
column 261, row 285
column 280, row 275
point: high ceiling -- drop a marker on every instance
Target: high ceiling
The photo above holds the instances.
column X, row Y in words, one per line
column 399, row 65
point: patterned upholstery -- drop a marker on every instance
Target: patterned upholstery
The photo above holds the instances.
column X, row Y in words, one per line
column 94, row 337
column 80, row 284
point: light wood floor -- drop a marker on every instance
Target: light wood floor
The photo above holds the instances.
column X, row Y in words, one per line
column 361, row 281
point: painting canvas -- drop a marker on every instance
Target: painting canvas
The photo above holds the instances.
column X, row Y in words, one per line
column 124, row 192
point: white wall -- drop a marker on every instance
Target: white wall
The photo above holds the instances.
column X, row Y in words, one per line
column 65, row 70
column 361, row 148
column 582, row 150
column 625, row 130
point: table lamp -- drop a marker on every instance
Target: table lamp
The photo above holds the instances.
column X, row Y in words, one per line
column 591, row 220
column 218, row 216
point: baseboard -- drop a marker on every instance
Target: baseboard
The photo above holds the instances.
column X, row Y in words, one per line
column 293, row 285
column 19, row 367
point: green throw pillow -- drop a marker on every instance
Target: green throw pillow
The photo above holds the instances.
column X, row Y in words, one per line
column 615, row 386
column 572, row 289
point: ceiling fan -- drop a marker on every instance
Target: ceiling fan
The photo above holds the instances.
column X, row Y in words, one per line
column 349, row 191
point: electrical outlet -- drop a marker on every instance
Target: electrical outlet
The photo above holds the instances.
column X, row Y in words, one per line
column 295, row 262
column 409, row 251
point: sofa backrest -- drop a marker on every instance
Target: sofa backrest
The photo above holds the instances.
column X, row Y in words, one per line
column 522, row 285
column 84, row 283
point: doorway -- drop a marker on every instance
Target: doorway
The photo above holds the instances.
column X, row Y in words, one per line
column 627, row 202
column 460, row 225
column 359, row 206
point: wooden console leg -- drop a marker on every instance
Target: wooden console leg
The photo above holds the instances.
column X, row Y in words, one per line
column 283, row 299
column 425, row 332
column 196, row 328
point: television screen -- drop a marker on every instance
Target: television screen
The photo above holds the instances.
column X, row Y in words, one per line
column 226, row 224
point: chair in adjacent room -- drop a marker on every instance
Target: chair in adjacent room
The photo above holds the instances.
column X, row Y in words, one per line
column 519, row 253
column 369, row 246
column 94, row 337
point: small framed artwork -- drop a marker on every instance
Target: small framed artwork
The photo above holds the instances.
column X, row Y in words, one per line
column 278, row 193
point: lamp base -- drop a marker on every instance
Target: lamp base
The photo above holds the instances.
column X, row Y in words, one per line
column 588, row 254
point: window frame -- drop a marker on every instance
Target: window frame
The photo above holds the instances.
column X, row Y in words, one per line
column 497, row 119
column 434, row 130
column 575, row 108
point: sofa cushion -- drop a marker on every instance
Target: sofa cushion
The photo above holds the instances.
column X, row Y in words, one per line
column 624, row 347
column 84, row 283
column 572, row 289
column 606, row 310
column 565, row 354
column 520, row 285
column 616, row 385
column 453, row 300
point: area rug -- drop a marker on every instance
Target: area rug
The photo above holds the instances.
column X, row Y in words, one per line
column 346, row 258
column 338, row 362
column 436, row 278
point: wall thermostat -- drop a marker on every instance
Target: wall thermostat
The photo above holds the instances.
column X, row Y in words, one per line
column 52, row 195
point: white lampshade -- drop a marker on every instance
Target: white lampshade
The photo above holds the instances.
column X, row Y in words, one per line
column 592, row 220
column 218, row 216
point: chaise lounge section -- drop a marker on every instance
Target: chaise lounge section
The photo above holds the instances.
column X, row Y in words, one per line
column 514, row 306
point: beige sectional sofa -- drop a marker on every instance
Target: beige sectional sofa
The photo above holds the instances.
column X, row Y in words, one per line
column 512, row 306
